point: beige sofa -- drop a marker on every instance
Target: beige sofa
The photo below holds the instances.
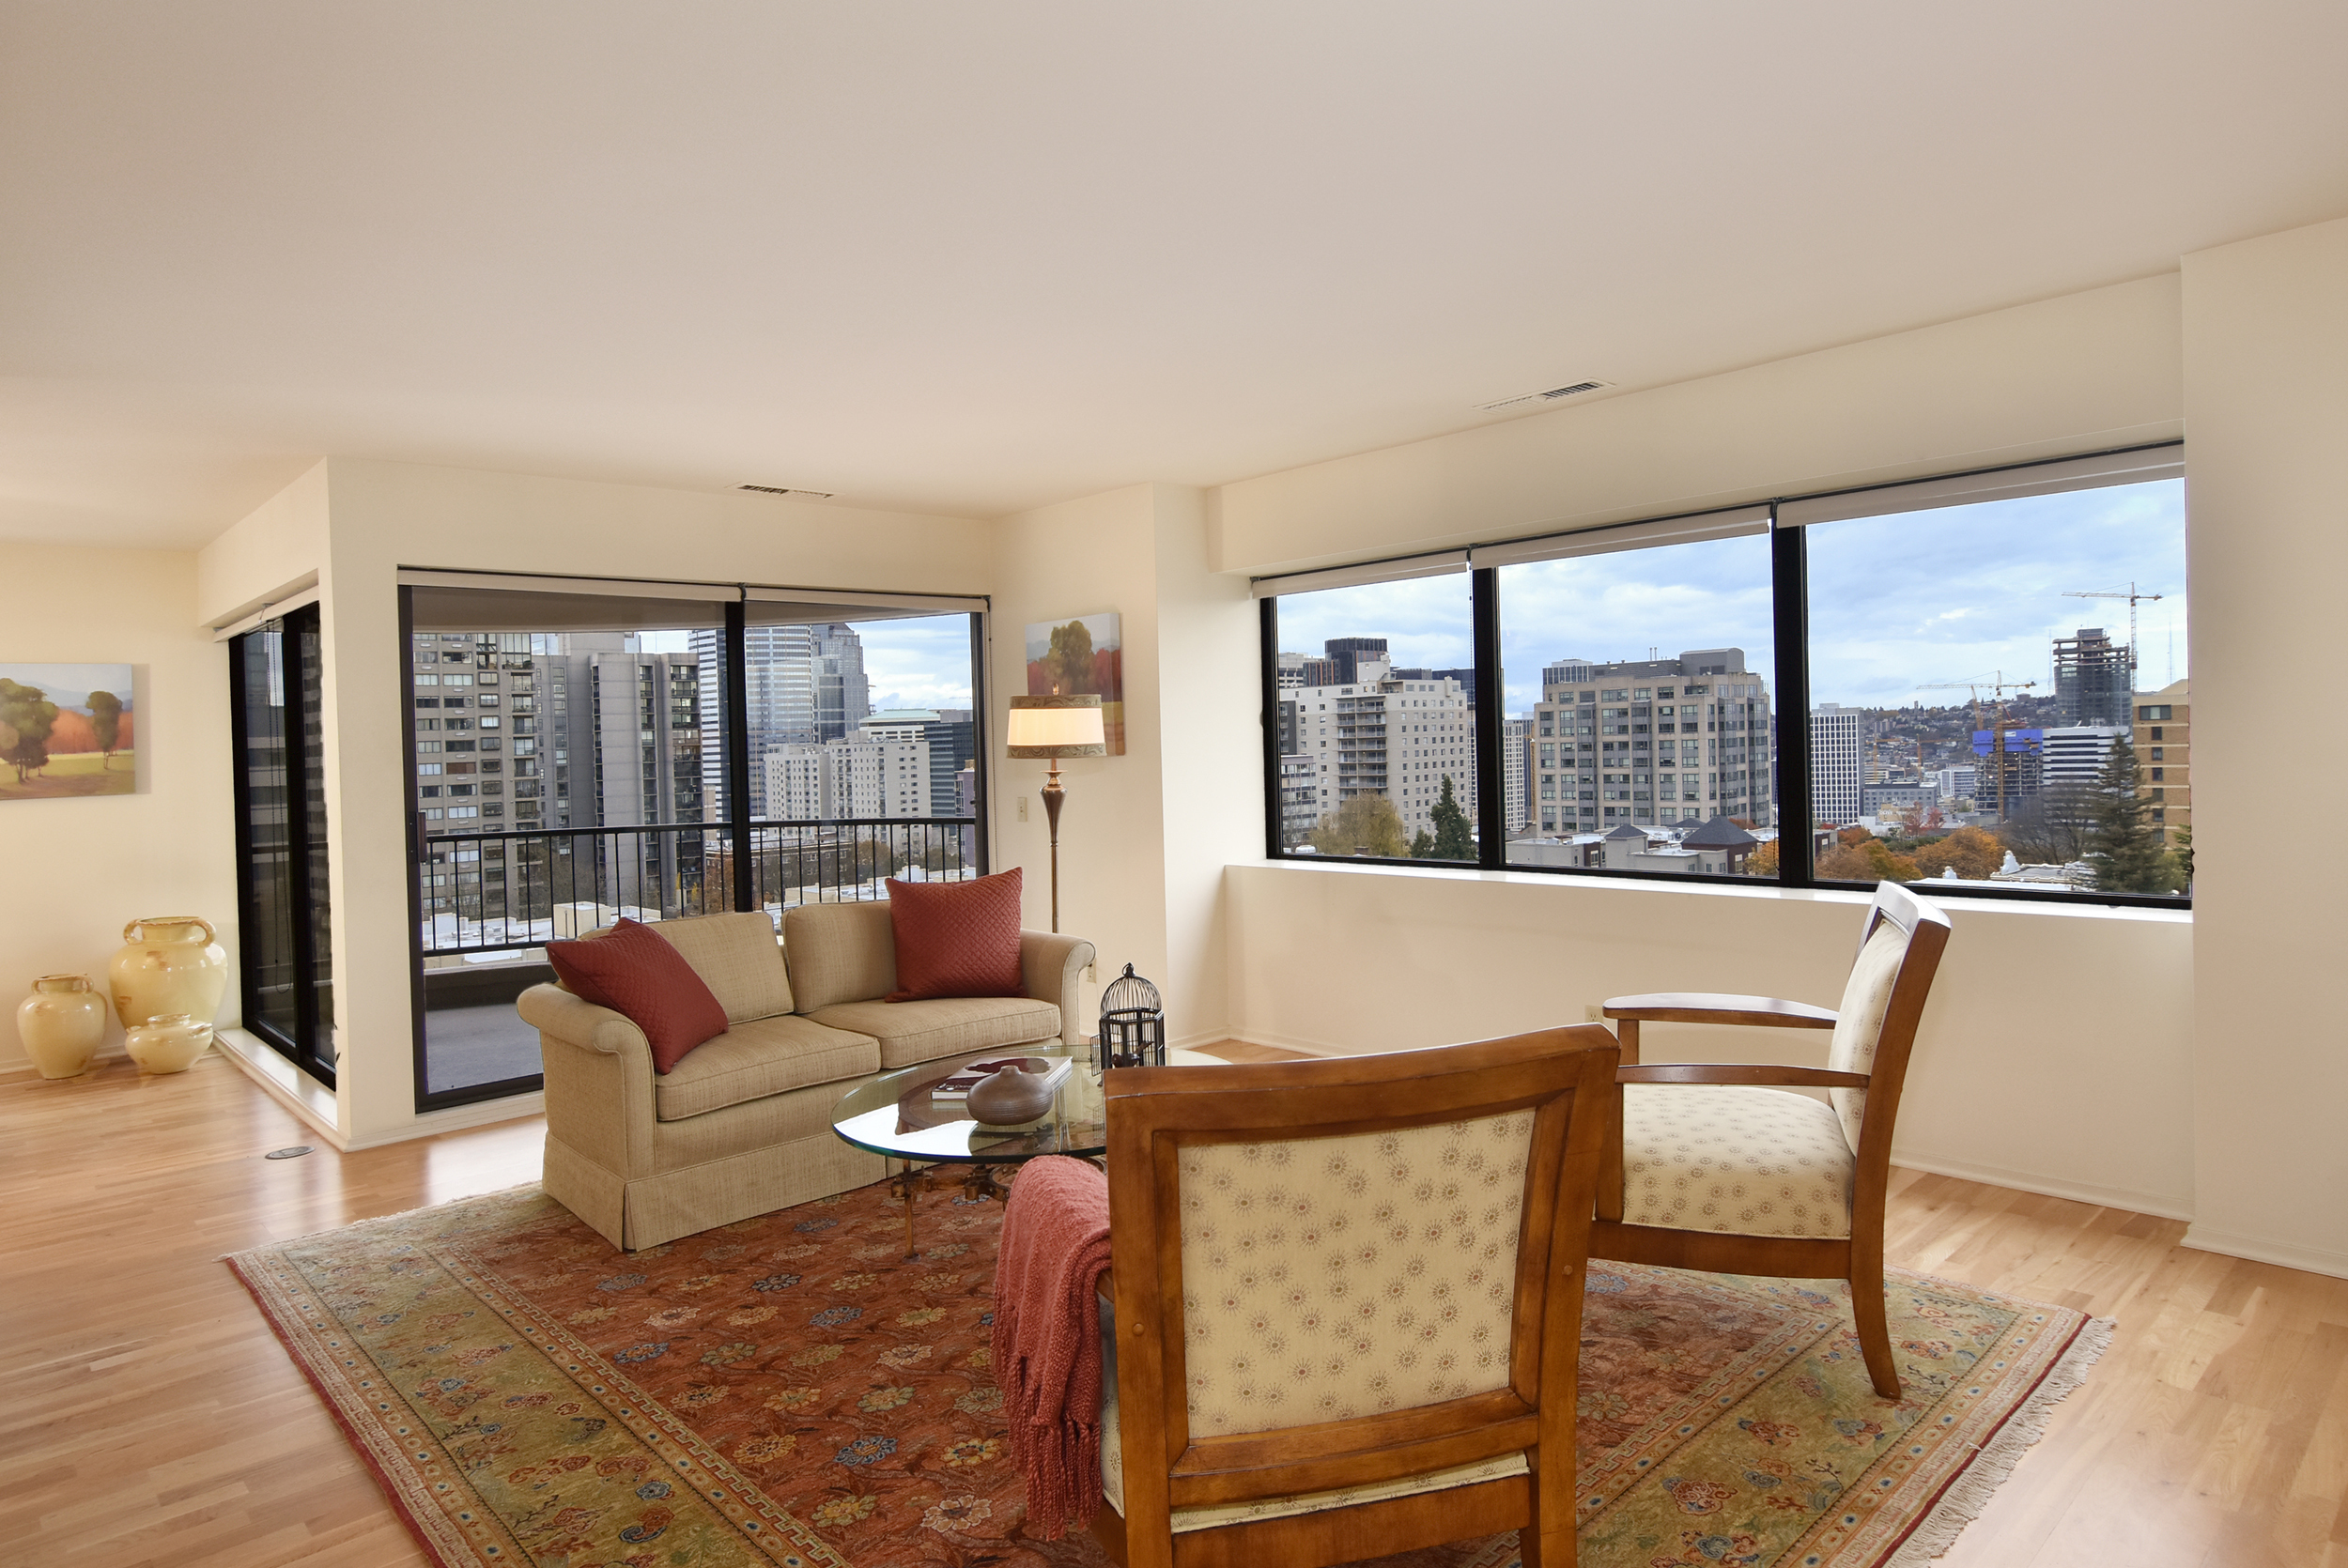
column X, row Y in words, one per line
column 743, row 1125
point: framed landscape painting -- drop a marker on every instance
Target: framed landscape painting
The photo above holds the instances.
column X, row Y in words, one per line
column 66, row 730
column 1082, row 654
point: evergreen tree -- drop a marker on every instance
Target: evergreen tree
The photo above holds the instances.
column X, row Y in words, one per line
column 2124, row 849
column 1452, row 839
column 2182, row 853
column 1423, row 846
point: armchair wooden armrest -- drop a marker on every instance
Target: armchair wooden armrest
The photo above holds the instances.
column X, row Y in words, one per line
column 1701, row 1007
column 1740, row 1072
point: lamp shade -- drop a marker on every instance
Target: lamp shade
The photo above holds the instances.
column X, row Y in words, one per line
column 1056, row 726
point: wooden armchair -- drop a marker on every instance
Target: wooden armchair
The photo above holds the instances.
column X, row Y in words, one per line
column 1706, row 1168
column 1347, row 1303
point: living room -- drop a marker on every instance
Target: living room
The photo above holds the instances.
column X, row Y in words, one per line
column 2196, row 1083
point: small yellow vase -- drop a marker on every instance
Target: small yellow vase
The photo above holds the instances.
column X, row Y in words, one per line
column 61, row 1024
column 167, row 1044
column 168, row 963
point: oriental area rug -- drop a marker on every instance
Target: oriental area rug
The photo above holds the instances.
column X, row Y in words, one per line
column 790, row 1391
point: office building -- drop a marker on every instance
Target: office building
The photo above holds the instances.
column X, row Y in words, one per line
column 1836, row 758
column 806, row 685
column 1655, row 741
column 1516, row 770
column 2074, row 755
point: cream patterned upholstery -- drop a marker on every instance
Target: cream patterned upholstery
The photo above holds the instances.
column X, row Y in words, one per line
column 1746, row 1160
column 739, row 961
column 911, row 1032
column 1858, row 1024
column 1329, row 1278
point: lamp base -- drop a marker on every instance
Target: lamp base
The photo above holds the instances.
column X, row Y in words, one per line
column 1053, row 798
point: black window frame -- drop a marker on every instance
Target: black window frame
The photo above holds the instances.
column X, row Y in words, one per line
column 1789, row 704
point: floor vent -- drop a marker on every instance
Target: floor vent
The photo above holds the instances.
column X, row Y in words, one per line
column 1529, row 399
column 786, row 490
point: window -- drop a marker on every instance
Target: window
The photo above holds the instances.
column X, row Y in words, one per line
column 1961, row 659
column 275, row 680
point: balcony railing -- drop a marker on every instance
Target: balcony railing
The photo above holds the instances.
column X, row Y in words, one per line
column 508, row 893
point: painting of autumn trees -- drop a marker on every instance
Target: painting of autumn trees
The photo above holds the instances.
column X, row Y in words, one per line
column 1081, row 655
column 66, row 730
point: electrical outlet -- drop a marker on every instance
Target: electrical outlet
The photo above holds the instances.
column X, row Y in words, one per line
column 1092, row 972
column 1594, row 1012
column 1023, row 809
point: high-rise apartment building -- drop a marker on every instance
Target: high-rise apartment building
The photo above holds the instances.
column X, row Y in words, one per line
column 2164, row 754
column 1382, row 735
column 2093, row 677
column 878, row 773
column 2074, row 755
column 1516, row 769
column 1837, row 737
column 953, row 746
column 1651, row 741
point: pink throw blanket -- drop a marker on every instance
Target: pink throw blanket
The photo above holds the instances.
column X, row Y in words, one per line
column 1048, row 1335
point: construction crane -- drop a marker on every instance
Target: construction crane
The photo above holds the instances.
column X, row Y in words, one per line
column 1999, row 685
column 2134, row 598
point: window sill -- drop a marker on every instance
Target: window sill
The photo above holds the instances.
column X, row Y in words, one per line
column 1632, row 884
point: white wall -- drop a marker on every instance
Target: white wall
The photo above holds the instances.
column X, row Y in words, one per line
column 2077, row 374
column 1343, row 960
column 2266, row 405
column 377, row 517
column 78, row 869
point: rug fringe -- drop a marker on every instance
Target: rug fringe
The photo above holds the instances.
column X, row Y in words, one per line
column 1993, row 1464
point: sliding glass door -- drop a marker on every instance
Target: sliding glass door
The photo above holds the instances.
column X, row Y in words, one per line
column 288, row 978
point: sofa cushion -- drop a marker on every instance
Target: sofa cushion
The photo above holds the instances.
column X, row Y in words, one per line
column 761, row 1057
column 737, row 956
column 956, row 938
column 839, row 953
column 634, row 970
column 911, row 1032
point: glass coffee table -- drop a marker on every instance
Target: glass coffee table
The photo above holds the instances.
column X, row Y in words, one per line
column 895, row 1116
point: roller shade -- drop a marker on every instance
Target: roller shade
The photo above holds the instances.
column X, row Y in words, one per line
column 474, row 601
column 2036, row 479
column 1624, row 536
column 781, row 606
column 1434, row 565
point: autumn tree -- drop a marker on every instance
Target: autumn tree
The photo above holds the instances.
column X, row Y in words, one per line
column 1365, row 825
column 105, row 716
column 1918, row 818
column 1763, row 861
column 2122, row 845
column 1070, row 662
column 1868, row 862
column 1453, row 841
column 1972, row 853
column 28, row 716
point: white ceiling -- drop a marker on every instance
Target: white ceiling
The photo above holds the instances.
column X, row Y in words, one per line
column 972, row 258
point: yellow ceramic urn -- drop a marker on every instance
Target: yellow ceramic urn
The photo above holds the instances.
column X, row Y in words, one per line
column 61, row 1024
column 168, row 963
column 168, row 1044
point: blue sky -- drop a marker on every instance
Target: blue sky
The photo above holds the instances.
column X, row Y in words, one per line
column 1952, row 593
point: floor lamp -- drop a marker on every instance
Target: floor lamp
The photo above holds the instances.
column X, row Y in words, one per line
column 1052, row 727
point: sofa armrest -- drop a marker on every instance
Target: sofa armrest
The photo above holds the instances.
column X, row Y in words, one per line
column 597, row 1070
column 574, row 1021
column 1050, row 969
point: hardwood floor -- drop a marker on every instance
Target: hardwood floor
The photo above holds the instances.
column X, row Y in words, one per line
column 150, row 1417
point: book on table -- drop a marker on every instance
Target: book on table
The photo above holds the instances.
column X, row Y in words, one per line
column 968, row 1076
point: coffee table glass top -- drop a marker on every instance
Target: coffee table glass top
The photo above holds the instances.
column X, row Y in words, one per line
column 893, row 1115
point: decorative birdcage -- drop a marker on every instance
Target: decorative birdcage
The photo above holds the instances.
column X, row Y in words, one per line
column 1133, row 1024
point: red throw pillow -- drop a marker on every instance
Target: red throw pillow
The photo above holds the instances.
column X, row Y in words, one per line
column 633, row 970
column 956, row 938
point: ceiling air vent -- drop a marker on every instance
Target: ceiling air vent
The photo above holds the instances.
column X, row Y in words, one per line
column 1533, row 399
column 786, row 490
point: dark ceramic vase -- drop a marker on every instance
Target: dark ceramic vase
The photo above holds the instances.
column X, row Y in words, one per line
column 1008, row 1097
